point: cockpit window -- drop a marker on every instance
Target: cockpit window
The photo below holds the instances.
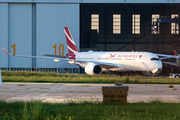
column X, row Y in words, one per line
column 154, row 59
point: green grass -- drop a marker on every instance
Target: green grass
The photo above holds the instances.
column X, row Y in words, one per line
column 82, row 78
column 89, row 111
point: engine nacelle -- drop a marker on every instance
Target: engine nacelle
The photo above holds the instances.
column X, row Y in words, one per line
column 147, row 73
column 92, row 69
column 178, row 60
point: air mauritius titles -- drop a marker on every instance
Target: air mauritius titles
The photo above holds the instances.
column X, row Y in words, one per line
column 124, row 56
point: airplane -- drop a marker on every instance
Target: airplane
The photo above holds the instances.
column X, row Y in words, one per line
column 97, row 62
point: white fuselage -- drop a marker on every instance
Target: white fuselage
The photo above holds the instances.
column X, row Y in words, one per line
column 127, row 61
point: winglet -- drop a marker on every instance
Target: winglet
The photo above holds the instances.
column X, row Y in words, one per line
column 6, row 51
column 175, row 53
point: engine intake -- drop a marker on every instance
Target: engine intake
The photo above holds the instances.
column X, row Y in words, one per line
column 92, row 69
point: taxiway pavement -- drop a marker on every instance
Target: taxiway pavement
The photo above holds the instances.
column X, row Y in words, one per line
column 63, row 92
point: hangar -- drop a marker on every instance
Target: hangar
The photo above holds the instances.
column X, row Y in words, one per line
column 33, row 27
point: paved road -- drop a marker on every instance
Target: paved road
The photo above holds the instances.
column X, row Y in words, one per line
column 61, row 92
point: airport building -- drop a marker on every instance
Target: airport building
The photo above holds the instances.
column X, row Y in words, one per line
column 33, row 27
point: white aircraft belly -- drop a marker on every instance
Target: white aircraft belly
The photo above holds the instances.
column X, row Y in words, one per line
column 126, row 65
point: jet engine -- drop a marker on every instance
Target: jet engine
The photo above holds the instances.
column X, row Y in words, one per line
column 178, row 60
column 92, row 69
column 151, row 73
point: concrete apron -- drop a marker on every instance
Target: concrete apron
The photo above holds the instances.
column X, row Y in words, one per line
column 74, row 92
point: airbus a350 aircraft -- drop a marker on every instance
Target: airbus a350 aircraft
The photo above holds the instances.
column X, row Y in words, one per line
column 96, row 62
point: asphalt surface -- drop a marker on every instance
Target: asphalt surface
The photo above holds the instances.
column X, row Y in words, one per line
column 64, row 92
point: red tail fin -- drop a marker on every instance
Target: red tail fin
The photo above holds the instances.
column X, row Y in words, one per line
column 175, row 53
column 70, row 42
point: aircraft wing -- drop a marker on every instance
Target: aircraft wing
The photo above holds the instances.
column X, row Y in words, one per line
column 71, row 61
column 163, row 56
column 56, row 56
column 27, row 56
column 170, row 63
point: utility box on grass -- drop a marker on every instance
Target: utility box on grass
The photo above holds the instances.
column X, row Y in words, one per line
column 115, row 94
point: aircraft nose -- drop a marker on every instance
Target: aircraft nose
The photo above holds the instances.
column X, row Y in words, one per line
column 159, row 65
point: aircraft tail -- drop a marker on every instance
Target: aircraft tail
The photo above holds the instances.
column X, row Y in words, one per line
column 175, row 53
column 72, row 48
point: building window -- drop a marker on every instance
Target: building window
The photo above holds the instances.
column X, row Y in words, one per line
column 95, row 22
column 135, row 24
column 154, row 24
column 116, row 24
column 174, row 26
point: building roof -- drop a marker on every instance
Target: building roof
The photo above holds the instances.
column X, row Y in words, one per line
column 89, row 1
